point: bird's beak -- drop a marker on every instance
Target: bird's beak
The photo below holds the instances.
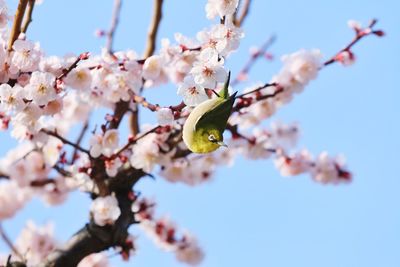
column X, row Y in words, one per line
column 220, row 143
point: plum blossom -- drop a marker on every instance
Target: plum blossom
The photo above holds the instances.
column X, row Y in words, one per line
column 152, row 67
column 29, row 169
column 80, row 79
column 223, row 38
column 105, row 210
column 26, row 55
column 35, row 243
column 95, row 260
column 3, row 14
column 209, row 70
column 165, row 116
column 195, row 170
column 302, row 65
column 104, row 144
column 12, row 199
column 26, row 123
column 164, row 234
column 221, row 8
column 11, row 98
column 329, row 170
column 112, row 166
column 346, row 58
column 189, row 251
column 41, row 88
column 145, row 153
column 192, row 93
column 295, row 164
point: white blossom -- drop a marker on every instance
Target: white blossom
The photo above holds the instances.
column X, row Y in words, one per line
column 152, row 67
column 105, row 210
column 80, row 79
column 145, row 153
column 190, row 252
column 11, row 98
column 221, row 8
column 12, row 199
column 41, row 88
column 35, row 243
column 192, row 93
column 112, row 166
column 95, row 260
column 26, row 55
column 209, row 70
column 165, row 116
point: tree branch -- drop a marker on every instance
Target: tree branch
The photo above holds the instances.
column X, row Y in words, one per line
column 78, row 141
column 74, row 64
column 360, row 34
column 93, row 238
column 149, row 50
column 113, row 26
column 28, row 16
column 65, row 141
column 153, row 29
column 8, row 242
column 16, row 27
column 250, row 62
column 238, row 21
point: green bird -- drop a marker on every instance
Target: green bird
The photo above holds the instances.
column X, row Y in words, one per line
column 204, row 128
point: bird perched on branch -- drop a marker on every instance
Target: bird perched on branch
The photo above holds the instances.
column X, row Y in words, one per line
column 204, row 128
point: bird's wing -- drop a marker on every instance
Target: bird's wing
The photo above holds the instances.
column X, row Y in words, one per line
column 218, row 115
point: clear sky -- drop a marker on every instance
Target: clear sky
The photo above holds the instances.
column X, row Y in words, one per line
column 249, row 215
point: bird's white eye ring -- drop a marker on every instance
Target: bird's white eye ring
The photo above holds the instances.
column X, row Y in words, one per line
column 212, row 138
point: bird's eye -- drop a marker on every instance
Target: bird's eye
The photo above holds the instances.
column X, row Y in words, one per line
column 212, row 138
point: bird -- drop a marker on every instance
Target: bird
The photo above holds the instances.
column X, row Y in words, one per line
column 205, row 125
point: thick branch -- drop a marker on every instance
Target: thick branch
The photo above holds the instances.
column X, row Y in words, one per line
column 93, row 238
column 153, row 29
column 16, row 27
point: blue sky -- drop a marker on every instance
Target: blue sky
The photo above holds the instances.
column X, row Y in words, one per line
column 249, row 215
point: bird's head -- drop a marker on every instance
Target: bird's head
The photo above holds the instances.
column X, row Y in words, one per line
column 215, row 137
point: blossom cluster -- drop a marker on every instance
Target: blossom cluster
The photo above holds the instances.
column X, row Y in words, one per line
column 164, row 233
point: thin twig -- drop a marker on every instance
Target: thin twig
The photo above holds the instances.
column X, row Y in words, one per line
column 8, row 242
column 62, row 171
column 243, row 14
column 78, row 141
column 244, row 104
column 16, row 27
column 65, row 141
column 257, row 89
column 142, row 101
column 28, row 16
column 250, row 62
column 113, row 26
column 360, row 34
column 153, row 29
column 74, row 64
column 134, row 140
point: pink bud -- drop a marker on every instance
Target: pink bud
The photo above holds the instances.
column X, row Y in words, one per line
column 379, row 33
column 84, row 56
